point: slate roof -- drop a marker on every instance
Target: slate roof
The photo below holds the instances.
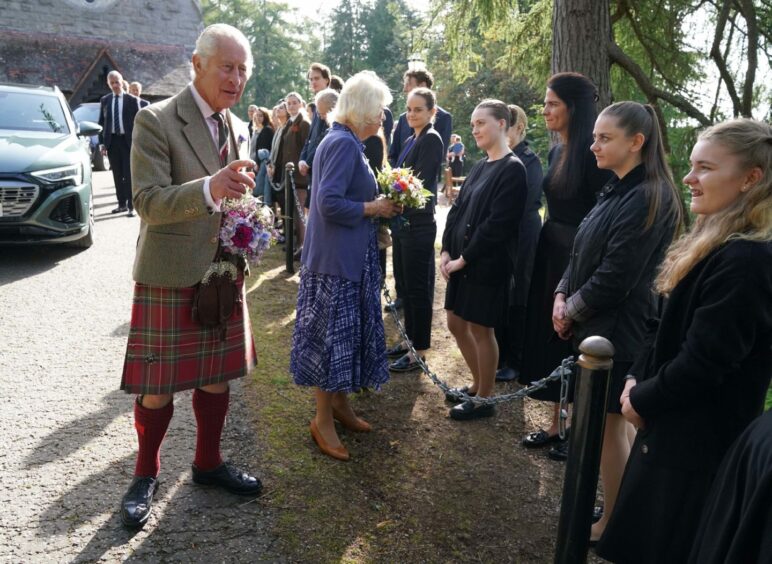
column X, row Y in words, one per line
column 69, row 62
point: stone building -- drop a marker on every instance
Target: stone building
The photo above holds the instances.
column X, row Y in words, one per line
column 73, row 44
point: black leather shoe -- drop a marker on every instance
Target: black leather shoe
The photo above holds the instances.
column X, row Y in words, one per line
column 397, row 351
column 395, row 305
column 138, row 501
column 506, row 374
column 467, row 410
column 131, row 213
column 452, row 399
column 540, row 438
column 559, row 452
column 120, row 209
column 229, row 478
column 405, row 364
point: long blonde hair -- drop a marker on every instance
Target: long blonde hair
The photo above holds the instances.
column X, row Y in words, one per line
column 749, row 217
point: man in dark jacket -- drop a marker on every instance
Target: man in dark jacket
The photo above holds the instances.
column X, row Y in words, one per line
column 116, row 116
column 318, row 80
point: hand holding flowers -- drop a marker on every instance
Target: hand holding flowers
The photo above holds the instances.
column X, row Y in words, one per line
column 247, row 227
column 401, row 186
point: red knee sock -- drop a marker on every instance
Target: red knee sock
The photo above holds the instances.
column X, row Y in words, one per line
column 210, row 410
column 151, row 425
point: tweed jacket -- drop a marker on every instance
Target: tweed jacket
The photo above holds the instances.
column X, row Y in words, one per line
column 172, row 154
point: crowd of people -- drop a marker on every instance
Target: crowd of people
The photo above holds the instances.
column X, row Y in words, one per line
column 689, row 311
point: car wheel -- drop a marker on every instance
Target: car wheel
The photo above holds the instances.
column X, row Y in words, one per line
column 100, row 161
column 88, row 239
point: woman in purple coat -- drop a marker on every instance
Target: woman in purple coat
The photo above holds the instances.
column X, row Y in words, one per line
column 338, row 345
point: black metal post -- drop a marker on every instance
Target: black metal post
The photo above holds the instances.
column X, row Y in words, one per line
column 289, row 219
column 584, row 448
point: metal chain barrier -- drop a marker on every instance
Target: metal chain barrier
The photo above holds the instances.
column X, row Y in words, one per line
column 561, row 373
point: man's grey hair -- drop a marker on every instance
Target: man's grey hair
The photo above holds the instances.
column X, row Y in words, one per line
column 208, row 41
column 114, row 73
column 328, row 96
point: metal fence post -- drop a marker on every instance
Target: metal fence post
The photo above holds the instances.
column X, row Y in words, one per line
column 289, row 219
column 581, row 478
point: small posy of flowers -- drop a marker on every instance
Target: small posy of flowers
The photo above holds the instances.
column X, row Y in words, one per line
column 247, row 227
column 402, row 186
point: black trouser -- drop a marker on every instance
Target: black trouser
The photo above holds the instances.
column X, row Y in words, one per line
column 119, row 153
column 510, row 338
column 413, row 252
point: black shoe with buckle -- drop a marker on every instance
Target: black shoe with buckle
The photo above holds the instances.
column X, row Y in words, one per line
column 450, row 397
column 467, row 410
column 137, row 502
column 229, row 478
column 397, row 351
column 541, row 438
column 405, row 364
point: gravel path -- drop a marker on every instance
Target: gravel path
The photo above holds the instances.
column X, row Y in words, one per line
column 67, row 431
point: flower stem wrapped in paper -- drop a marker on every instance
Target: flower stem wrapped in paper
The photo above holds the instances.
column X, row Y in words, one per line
column 402, row 186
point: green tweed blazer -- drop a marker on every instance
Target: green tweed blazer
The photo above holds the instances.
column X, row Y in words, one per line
column 172, row 152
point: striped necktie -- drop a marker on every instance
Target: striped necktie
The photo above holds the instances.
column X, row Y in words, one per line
column 222, row 138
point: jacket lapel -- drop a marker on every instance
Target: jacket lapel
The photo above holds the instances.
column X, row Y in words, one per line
column 197, row 132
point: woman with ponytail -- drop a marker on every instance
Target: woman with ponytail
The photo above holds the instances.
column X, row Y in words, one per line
column 606, row 289
column 705, row 375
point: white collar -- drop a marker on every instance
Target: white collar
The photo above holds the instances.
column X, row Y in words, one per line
column 205, row 109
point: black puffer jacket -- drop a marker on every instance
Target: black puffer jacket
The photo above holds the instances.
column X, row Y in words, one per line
column 613, row 263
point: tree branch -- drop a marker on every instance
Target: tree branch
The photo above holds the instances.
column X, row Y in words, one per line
column 717, row 56
column 749, row 13
column 652, row 92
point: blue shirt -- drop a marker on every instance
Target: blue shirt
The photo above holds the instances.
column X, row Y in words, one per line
column 337, row 233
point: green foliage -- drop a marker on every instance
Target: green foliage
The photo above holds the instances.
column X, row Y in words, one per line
column 281, row 48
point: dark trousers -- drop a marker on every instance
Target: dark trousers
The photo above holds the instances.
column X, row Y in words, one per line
column 413, row 251
column 510, row 337
column 119, row 153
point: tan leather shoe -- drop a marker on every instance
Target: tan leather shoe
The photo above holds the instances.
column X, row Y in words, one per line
column 339, row 453
column 356, row 424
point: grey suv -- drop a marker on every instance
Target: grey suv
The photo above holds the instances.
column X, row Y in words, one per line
column 45, row 169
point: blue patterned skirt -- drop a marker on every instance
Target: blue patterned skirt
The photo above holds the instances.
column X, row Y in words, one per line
column 338, row 344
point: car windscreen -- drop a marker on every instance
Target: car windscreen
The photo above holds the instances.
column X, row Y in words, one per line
column 29, row 111
column 87, row 112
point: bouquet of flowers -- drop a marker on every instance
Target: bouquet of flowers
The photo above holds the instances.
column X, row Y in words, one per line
column 403, row 187
column 247, row 227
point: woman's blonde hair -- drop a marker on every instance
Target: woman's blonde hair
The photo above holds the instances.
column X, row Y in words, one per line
column 749, row 217
column 362, row 100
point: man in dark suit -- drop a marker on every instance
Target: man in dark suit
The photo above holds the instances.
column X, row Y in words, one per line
column 135, row 89
column 116, row 116
column 318, row 80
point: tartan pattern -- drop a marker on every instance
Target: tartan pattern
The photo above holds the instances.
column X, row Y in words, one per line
column 339, row 344
column 168, row 352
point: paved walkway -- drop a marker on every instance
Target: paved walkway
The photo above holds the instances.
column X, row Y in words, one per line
column 67, row 432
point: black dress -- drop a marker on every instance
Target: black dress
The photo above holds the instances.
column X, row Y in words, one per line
column 699, row 386
column 544, row 350
column 483, row 226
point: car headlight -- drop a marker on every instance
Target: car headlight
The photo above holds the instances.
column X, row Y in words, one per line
column 72, row 174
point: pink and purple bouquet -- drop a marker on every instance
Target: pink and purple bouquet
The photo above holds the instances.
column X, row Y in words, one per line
column 402, row 186
column 247, row 227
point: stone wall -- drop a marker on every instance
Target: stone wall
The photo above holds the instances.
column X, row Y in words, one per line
column 167, row 22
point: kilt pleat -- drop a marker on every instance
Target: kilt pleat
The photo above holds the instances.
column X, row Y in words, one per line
column 168, row 352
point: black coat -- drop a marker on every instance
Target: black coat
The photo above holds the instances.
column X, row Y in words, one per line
column 493, row 201
column 425, row 157
column 613, row 263
column 699, row 387
column 529, row 226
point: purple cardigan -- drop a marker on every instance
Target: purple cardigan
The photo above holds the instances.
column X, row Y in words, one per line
column 337, row 233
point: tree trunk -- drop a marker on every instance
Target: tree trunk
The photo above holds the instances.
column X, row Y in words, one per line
column 581, row 30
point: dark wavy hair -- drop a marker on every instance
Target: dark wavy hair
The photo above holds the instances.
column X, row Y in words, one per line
column 580, row 95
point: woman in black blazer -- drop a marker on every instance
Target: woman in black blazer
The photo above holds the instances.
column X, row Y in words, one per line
column 704, row 378
column 478, row 252
column 414, row 232
column 606, row 289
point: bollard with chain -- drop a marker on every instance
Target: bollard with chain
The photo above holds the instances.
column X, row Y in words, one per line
column 289, row 217
column 581, row 478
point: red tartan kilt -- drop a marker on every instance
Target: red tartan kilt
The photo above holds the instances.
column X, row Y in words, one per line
column 168, row 352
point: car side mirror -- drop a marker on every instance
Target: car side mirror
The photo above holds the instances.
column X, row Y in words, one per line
column 88, row 128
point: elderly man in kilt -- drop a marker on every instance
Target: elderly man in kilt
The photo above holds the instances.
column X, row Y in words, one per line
column 185, row 160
